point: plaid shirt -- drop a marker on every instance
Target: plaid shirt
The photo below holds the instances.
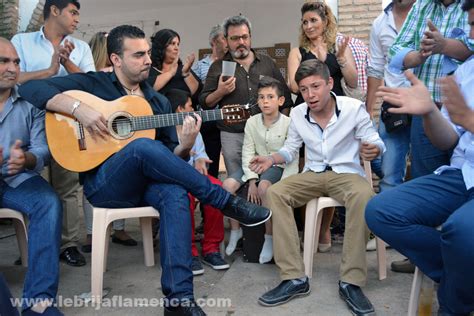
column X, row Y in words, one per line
column 451, row 22
column 360, row 53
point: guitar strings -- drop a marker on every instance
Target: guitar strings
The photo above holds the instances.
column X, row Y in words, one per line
column 171, row 117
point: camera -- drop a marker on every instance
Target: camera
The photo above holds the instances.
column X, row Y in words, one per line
column 393, row 121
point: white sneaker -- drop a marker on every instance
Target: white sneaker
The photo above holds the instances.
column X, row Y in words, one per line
column 235, row 236
column 324, row 247
column 371, row 245
column 266, row 254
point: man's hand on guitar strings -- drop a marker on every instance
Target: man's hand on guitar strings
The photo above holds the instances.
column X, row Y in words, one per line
column 93, row 121
column 191, row 128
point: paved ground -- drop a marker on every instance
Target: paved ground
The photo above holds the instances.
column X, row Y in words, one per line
column 235, row 290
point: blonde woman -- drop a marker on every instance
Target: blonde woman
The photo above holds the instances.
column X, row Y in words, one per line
column 317, row 40
column 98, row 45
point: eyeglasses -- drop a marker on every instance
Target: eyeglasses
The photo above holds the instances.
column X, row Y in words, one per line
column 236, row 38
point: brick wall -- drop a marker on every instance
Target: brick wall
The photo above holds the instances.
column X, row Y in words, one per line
column 356, row 16
column 9, row 18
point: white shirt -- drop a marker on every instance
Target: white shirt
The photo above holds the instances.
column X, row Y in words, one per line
column 263, row 141
column 382, row 36
column 338, row 144
column 35, row 52
column 198, row 151
column 463, row 154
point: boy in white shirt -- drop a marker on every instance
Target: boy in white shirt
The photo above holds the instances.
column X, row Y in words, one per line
column 335, row 130
column 264, row 134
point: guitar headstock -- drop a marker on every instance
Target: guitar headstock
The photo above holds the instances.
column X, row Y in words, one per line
column 234, row 114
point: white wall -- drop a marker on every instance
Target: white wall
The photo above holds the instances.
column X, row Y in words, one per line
column 26, row 8
column 273, row 21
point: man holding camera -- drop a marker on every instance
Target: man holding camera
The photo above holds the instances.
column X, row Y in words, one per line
column 240, row 88
column 397, row 140
column 430, row 219
column 433, row 41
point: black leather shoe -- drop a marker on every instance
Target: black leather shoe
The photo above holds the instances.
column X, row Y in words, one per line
column 71, row 256
column 358, row 303
column 284, row 292
column 124, row 242
column 246, row 213
column 18, row 262
column 86, row 248
column 186, row 310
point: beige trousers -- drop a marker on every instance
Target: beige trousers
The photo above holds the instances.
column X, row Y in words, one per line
column 292, row 192
column 66, row 184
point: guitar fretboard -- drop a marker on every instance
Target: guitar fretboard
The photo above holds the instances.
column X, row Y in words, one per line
column 172, row 119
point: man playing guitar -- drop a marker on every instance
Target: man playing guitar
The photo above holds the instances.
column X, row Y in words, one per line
column 145, row 171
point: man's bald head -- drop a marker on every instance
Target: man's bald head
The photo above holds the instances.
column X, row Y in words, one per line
column 4, row 41
column 9, row 65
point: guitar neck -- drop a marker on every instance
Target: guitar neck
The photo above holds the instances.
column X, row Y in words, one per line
column 140, row 123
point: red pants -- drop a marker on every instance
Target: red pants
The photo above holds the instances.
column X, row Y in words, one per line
column 213, row 225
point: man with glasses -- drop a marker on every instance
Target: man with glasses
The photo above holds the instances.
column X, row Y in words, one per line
column 239, row 89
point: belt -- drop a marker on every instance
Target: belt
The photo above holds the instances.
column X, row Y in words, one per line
column 328, row 168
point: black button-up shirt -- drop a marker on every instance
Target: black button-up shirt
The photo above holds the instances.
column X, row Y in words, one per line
column 103, row 85
column 245, row 86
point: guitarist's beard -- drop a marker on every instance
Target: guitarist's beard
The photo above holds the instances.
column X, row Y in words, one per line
column 132, row 75
column 144, row 74
column 138, row 77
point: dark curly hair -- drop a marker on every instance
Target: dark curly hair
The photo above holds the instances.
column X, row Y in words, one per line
column 60, row 4
column 117, row 36
column 468, row 5
column 159, row 41
column 269, row 82
column 177, row 98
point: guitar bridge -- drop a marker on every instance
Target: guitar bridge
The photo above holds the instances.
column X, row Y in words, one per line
column 81, row 139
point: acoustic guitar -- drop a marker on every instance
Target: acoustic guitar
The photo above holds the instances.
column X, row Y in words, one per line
column 128, row 118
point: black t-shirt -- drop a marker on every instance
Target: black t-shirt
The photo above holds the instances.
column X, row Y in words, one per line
column 334, row 71
column 177, row 82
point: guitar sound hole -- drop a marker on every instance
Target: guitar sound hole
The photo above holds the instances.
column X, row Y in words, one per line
column 122, row 126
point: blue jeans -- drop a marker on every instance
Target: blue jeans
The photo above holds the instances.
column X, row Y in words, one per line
column 6, row 307
column 146, row 172
column 406, row 217
column 37, row 199
column 390, row 168
column 425, row 158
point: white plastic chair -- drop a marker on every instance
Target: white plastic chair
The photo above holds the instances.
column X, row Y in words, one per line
column 420, row 299
column 421, row 293
column 102, row 218
column 20, row 230
column 313, row 227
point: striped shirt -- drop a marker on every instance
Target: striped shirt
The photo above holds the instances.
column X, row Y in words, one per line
column 451, row 21
column 360, row 52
